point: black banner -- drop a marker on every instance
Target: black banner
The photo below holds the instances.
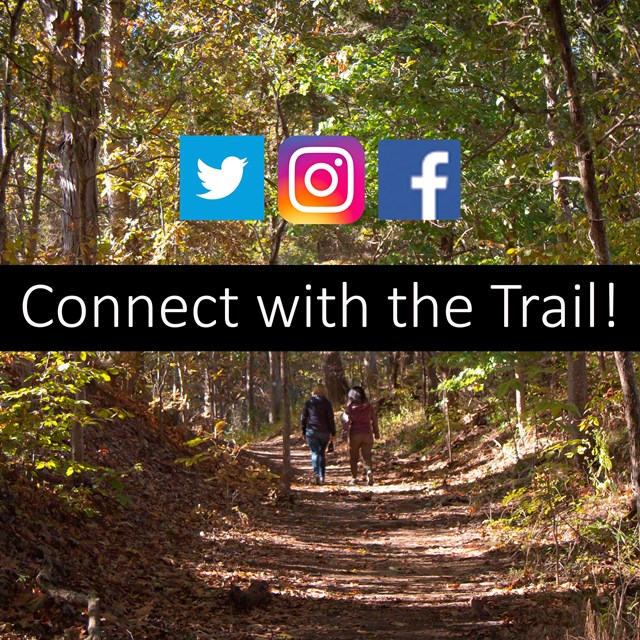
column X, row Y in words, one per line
column 319, row 307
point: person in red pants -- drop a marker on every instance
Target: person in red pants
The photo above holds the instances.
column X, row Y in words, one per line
column 360, row 425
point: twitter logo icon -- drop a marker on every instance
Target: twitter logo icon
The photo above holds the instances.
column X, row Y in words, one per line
column 221, row 182
column 221, row 177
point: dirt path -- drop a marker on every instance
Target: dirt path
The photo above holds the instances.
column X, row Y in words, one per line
column 386, row 561
column 400, row 560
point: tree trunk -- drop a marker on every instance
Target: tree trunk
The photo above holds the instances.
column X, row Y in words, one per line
column 276, row 387
column 34, row 224
column 159, row 388
column 249, row 393
column 212, row 363
column 276, row 241
column 20, row 207
column 578, row 395
column 447, row 416
column 334, row 377
column 577, row 383
column 583, row 146
column 431, row 376
column 559, row 186
column 74, row 34
column 521, row 401
column 371, row 369
column 115, row 148
column 602, row 363
column 182, row 405
column 160, row 413
column 394, row 368
column 7, row 148
column 597, row 232
column 425, row 386
column 577, row 389
column 632, row 416
column 206, row 393
column 286, row 424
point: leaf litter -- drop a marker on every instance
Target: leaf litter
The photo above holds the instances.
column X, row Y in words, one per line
column 385, row 561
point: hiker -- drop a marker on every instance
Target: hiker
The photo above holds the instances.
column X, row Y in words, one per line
column 360, row 426
column 319, row 428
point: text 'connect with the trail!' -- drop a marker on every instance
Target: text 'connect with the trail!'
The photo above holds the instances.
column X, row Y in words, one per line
column 321, row 307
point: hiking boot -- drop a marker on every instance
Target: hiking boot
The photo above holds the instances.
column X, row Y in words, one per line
column 370, row 477
column 353, row 481
column 316, row 479
column 321, row 479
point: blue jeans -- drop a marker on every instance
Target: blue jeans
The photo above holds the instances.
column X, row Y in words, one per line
column 318, row 444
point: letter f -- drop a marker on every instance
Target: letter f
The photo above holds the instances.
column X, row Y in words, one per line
column 429, row 182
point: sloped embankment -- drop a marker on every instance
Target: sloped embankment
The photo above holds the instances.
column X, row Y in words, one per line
column 141, row 550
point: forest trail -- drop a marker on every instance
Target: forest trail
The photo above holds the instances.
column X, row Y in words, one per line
column 405, row 559
column 387, row 561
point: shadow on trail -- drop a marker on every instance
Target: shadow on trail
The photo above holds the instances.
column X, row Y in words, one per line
column 384, row 562
column 317, row 617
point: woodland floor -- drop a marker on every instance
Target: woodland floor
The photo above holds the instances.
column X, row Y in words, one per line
column 390, row 561
column 396, row 560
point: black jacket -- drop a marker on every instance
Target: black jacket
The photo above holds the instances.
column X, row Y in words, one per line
column 317, row 417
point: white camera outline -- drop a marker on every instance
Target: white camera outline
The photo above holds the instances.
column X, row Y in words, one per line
column 350, row 179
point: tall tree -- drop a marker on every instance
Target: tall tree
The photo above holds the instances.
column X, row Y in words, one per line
column 597, row 233
column 430, row 379
column 371, row 368
column 276, row 386
column 286, row 423
column 207, row 395
column 249, row 391
column 36, row 202
column 75, row 46
column 578, row 396
column 117, row 173
column 7, row 145
column 334, row 377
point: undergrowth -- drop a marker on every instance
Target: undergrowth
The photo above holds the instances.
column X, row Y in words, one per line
column 568, row 520
column 408, row 427
column 619, row 619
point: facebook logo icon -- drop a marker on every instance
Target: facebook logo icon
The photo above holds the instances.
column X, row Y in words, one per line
column 419, row 179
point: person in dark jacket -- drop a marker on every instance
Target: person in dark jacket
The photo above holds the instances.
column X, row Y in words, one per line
column 318, row 427
column 360, row 425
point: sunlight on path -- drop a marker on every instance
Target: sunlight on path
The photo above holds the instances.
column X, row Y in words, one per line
column 383, row 557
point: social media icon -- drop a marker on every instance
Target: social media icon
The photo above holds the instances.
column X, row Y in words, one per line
column 321, row 179
column 419, row 179
column 221, row 182
column 221, row 177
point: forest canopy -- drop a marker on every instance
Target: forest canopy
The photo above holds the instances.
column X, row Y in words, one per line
column 98, row 95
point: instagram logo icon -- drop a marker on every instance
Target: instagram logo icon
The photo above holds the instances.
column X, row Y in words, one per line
column 321, row 180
